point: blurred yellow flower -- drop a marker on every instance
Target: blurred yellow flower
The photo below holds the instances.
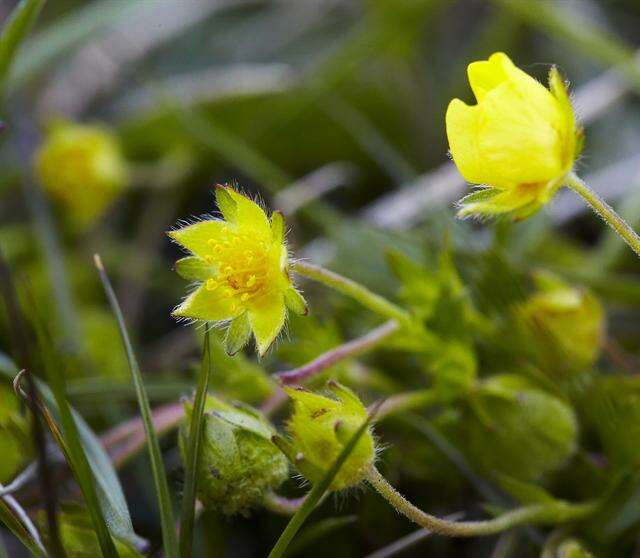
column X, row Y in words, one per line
column 82, row 168
column 241, row 266
column 518, row 142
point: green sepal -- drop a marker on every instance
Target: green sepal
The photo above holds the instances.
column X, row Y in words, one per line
column 238, row 334
column 295, row 302
column 193, row 268
column 525, row 492
column 277, row 227
column 226, row 203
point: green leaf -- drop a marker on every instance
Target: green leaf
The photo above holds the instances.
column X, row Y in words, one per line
column 194, row 450
column 238, row 334
column 318, row 490
column 14, row 32
column 155, row 456
column 193, row 268
column 69, row 438
column 525, row 492
column 295, row 302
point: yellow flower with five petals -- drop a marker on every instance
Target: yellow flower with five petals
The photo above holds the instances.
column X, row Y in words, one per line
column 240, row 264
column 518, row 142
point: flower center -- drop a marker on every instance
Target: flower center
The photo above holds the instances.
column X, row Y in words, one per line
column 243, row 266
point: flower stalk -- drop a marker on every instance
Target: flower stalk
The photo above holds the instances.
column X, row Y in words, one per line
column 552, row 513
column 348, row 287
column 604, row 210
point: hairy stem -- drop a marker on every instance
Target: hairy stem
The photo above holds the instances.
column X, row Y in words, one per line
column 552, row 513
column 604, row 210
column 348, row 287
column 350, row 349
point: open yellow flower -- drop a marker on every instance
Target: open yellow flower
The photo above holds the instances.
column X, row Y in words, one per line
column 241, row 266
column 518, row 142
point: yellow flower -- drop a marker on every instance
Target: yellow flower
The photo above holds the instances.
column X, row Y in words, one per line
column 241, row 266
column 82, row 168
column 518, row 142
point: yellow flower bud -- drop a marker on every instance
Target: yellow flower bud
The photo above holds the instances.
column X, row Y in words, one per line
column 320, row 427
column 239, row 462
column 82, row 168
column 241, row 268
column 518, row 142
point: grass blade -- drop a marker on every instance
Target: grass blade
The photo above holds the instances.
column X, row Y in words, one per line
column 318, row 490
column 157, row 466
column 193, row 453
column 22, row 18
column 10, row 519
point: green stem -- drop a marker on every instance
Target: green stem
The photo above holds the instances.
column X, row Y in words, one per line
column 364, row 296
column 194, row 451
column 547, row 514
column 605, row 211
column 407, row 401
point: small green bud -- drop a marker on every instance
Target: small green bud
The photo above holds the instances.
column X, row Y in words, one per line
column 563, row 325
column 78, row 535
column 239, row 462
column 15, row 438
column 519, row 430
column 82, row 168
column 573, row 549
column 320, row 427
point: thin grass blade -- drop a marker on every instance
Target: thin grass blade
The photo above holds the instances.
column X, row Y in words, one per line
column 193, row 453
column 20, row 21
column 319, row 530
column 169, row 537
column 318, row 490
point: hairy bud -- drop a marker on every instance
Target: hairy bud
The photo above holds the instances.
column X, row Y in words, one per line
column 239, row 462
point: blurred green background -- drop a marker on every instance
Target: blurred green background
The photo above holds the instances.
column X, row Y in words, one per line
column 333, row 111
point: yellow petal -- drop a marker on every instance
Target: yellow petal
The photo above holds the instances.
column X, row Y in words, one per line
column 485, row 75
column 249, row 216
column 204, row 304
column 267, row 319
column 515, row 142
column 195, row 238
column 463, row 133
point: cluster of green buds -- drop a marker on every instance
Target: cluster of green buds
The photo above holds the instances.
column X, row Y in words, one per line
column 15, row 439
column 320, row 427
column 82, row 168
column 239, row 463
column 564, row 325
column 511, row 413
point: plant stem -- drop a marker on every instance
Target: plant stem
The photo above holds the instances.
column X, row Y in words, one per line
column 350, row 349
column 364, row 296
column 407, row 401
column 548, row 514
column 194, row 451
column 281, row 505
column 604, row 210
